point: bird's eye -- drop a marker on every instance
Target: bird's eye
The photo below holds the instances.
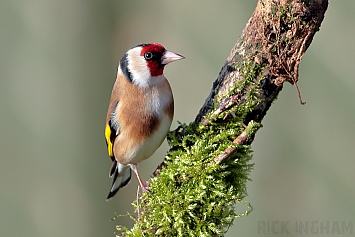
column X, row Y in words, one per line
column 148, row 55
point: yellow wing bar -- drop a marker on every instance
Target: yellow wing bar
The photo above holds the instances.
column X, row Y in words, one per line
column 108, row 141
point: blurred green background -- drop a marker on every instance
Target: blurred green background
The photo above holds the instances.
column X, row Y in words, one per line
column 58, row 65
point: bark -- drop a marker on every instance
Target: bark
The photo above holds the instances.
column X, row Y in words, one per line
column 276, row 36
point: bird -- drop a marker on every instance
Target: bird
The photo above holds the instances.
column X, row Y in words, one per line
column 140, row 111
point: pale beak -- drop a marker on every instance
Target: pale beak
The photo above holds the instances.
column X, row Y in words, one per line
column 169, row 57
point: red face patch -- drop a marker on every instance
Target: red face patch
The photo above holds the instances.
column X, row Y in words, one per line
column 153, row 53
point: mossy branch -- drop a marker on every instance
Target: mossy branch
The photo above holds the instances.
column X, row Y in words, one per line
column 194, row 191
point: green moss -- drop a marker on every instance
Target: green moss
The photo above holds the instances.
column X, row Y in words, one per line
column 286, row 13
column 249, row 71
column 194, row 196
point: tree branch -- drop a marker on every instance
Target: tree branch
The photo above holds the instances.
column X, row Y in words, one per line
column 275, row 37
column 193, row 192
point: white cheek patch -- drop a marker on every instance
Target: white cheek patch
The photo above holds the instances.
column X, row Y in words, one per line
column 138, row 68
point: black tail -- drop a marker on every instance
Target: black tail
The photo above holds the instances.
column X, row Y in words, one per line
column 121, row 171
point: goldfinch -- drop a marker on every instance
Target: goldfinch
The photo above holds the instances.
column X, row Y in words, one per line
column 140, row 111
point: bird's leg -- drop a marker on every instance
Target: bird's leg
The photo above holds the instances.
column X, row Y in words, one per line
column 135, row 169
column 137, row 201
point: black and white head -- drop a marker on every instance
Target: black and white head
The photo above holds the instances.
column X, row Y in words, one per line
column 144, row 64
